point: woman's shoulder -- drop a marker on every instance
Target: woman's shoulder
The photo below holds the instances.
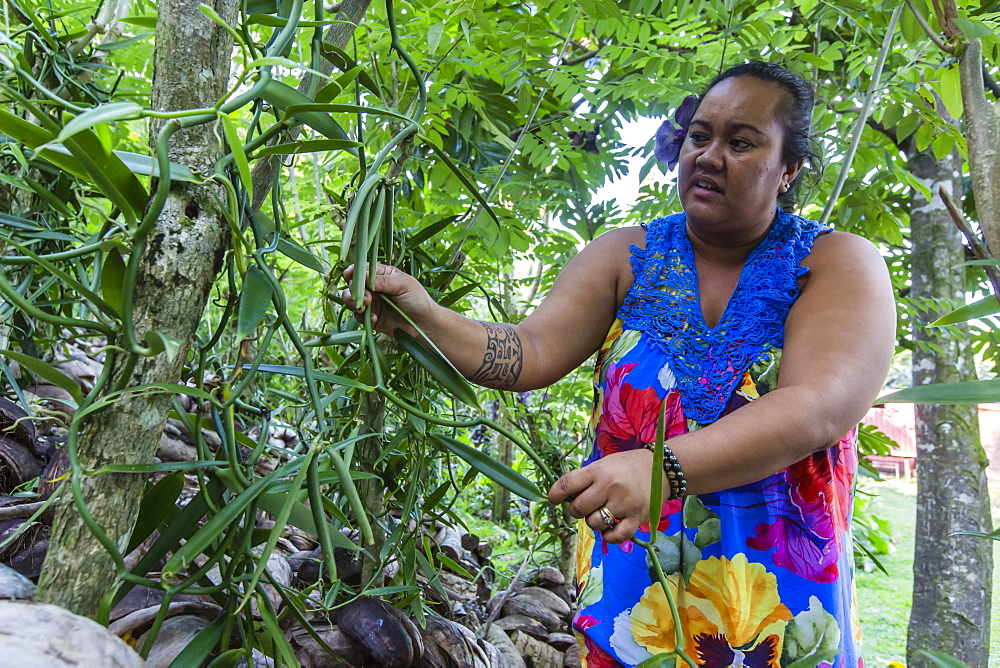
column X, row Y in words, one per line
column 835, row 252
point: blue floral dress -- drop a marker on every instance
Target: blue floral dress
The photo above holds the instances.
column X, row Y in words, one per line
column 761, row 574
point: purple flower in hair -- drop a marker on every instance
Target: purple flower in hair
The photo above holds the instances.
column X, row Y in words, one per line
column 669, row 137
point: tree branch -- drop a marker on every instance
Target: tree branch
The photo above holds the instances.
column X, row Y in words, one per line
column 928, row 30
column 979, row 249
column 990, row 82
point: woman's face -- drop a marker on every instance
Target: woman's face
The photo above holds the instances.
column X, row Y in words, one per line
column 731, row 168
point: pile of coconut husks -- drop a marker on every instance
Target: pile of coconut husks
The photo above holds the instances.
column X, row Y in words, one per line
column 522, row 625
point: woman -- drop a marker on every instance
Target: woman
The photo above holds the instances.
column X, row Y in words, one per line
column 696, row 313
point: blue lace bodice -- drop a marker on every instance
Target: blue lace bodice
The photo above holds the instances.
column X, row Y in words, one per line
column 709, row 363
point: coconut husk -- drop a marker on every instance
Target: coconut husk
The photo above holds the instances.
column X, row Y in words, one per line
column 25, row 554
column 52, row 475
column 18, row 464
column 82, row 370
column 175, row 634
column 499, row 639
column 532, row 607
column 561, row 641
column 392, row 640
column 524, row 623
column 549, row 599
column 140, row 619
column 12, row 414
column 545, row 576
column 571, row 658
column 450, row 645
column 14, row 586
column 537, row 653
column 175, row 450
column 52, row 398
column 311, row 654
column 36, row 634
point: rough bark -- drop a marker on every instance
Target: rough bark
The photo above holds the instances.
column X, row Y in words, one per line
column 181, row 258
column 500, row 510
column 982, row 131
column 951, row 574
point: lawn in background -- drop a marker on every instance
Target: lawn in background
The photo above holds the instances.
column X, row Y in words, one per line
column 884, row 602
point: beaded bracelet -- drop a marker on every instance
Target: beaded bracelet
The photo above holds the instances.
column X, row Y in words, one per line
column 678, row 484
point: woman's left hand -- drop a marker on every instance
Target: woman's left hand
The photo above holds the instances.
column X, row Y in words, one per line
column 620, row 482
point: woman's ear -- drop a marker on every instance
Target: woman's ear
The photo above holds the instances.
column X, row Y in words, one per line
column 792, row 170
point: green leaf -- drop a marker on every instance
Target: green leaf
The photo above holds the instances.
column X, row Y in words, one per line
column 694, row 512
column 968, row 392
column 157, row 504
column 159, row 342
column 430, row 231
column 141, row 21
column 973, row 29
column 282, row 96
column 307, row 146
column 950, row 90
column 709, row 532
column 665, row 660
column 499, row 473
column 160, row 467
column 199, row 649
column 106, row 171
column 106, row 113
column 219, row 523
column 123, row 43
column 297, row 253
column 434, row 37
column 668, row 552
column 46, row 372
column 255, row 299
column 146, row 165
column 239, row 155
column 228, row 659
column 299, row 372
column 811, row 637
column 112, row 277
column 448, row 562
column 980, row 309
column 439, row 368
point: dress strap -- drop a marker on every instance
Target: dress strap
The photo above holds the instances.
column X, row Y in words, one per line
column 709, row 363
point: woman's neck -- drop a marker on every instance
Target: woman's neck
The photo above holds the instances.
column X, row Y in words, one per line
column 726, row 250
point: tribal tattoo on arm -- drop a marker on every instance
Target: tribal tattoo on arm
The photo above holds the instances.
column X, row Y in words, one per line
column 502, row 363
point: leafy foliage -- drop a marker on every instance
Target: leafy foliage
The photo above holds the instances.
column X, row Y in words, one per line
column 442, row 141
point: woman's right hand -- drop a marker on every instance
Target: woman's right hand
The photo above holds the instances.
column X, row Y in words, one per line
column 393, row 284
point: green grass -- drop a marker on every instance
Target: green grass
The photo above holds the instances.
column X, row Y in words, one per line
column 884, row 602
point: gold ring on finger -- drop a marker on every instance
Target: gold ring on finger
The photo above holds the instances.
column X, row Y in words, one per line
column 608, row 517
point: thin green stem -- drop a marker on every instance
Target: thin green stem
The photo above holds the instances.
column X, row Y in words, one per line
column 859, row 126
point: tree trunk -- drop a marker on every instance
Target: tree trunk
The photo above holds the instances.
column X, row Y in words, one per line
column 500, row 508
column 952, row 574
column 180, row 260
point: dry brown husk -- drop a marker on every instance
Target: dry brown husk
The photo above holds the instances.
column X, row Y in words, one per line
column 311, row 654
column 12, row 414
column 18, row 464
column 36, row 634
column 175, row 634
column 386, row 634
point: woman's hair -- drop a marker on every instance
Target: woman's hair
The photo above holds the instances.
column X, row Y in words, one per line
column 796, row 115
